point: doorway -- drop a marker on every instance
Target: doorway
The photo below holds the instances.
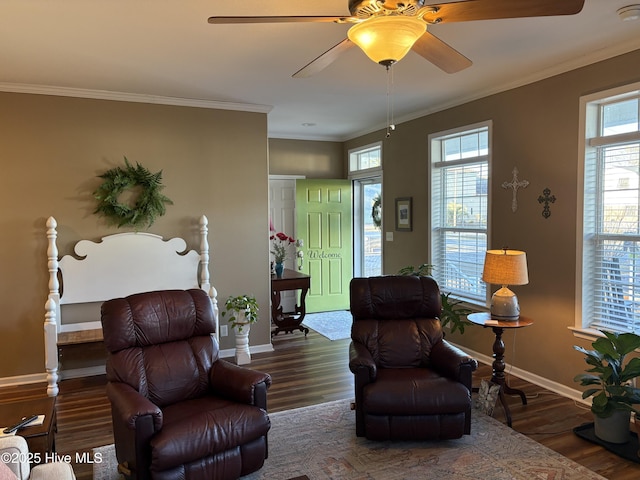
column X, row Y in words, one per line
column 367, row 227
column 282, row 218
column 324, row 224
column 365, row 236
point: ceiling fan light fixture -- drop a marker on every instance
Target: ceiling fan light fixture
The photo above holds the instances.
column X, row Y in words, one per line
column 387, row 39
column 629, row 13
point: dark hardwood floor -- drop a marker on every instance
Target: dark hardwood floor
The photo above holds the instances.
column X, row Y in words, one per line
column 313, row 370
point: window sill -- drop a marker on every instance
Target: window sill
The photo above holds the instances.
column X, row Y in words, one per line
column 590, row 334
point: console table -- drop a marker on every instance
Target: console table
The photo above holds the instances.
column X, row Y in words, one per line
column 289, row 321
column 484, row 319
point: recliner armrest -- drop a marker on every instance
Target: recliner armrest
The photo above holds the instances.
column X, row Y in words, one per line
column 135, row 420
column 240, row 384
column 452, row 362
column 360, row 358
column 130, row 405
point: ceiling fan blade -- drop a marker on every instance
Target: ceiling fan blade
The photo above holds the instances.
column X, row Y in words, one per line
column 468, row 10
column 290, row 19
column 324, row 60
column 440, row 53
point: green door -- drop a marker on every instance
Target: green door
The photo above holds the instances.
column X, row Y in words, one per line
column 323, row 218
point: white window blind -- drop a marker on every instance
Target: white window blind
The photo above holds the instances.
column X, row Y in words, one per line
column 611, row 217
column 459, row 187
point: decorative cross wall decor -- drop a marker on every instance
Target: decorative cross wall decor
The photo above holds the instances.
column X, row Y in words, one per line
column 546, row 198
column 514, row 185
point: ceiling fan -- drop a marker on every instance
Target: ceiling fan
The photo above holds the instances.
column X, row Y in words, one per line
column 387, row 29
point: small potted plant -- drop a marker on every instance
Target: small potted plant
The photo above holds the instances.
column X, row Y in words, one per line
column 610, row 381
column 242, row 311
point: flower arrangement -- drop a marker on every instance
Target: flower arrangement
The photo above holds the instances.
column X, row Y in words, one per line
column 281, row 242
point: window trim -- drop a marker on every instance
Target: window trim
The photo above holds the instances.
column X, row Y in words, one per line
column 589, row 139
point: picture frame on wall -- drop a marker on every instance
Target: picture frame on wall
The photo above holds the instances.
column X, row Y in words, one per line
column 404, row 214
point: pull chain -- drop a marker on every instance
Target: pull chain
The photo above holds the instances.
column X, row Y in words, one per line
column 390, row 122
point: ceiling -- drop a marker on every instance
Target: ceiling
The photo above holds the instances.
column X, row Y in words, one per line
column 165, row 51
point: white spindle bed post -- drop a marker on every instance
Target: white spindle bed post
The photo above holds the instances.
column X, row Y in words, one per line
column 52, row 310
column 205, row 282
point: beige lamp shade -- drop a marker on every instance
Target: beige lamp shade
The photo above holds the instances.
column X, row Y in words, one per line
column 505, row 267
column 387, row 39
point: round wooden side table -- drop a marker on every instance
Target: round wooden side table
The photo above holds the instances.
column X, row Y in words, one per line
column 498, row 326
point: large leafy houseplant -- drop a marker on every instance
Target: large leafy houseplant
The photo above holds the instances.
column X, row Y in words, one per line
column 452, row 313
column 242, row 310
column 609, row 378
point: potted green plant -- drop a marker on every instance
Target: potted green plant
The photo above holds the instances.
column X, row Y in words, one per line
column 453, row 313
column 242, row 311
column 609, row 379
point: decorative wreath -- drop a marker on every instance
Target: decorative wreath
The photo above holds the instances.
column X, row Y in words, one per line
column 376, row 211
column 149, row 203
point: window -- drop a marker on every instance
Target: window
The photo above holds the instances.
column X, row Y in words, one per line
column 609, row 243
column 365, row 170
column 366, row 158
column 459, row 186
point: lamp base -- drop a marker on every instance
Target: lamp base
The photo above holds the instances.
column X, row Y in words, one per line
column 504, row 305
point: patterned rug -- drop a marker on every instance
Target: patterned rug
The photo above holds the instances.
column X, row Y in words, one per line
column 333, row 325
column 320, row 442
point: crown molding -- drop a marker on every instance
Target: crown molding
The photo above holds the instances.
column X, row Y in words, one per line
column 131, row 97
column 596, row 56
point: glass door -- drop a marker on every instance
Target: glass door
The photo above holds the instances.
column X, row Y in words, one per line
column 367, row 245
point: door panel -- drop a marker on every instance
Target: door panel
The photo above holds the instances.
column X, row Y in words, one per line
column 282, row 201
column 336, row 286
column 334, row 222
column 323, row 213
column 313, row 229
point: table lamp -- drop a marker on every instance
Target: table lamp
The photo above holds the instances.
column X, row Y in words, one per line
column 505, row 267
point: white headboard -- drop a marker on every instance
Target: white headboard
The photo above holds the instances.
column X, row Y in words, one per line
column 117, row 266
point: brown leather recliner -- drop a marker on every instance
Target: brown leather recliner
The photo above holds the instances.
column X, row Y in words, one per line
column 178, row 410
column 410, row 384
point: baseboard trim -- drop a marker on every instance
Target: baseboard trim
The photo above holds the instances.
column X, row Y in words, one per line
column 550, row 385
column 231, row 352
column 23, row 380
column 83, row 372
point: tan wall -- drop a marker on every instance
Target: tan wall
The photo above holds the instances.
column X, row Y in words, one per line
column 52, row 149
column 312, row 159
column 535, row 128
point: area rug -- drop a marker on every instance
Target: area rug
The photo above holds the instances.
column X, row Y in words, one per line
column 333, row 325
column 320, row 442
